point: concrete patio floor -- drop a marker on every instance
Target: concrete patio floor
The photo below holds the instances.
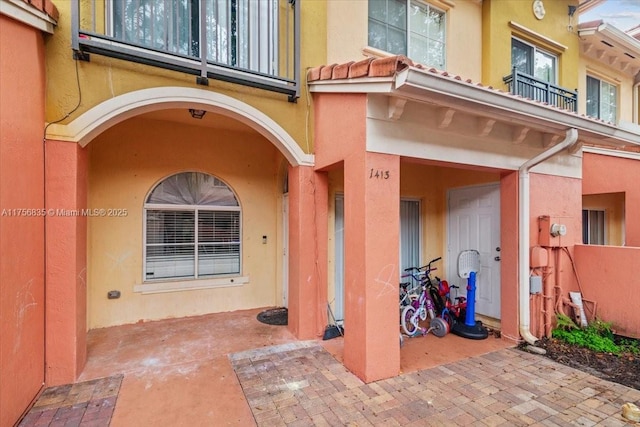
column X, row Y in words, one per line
column 230, row 369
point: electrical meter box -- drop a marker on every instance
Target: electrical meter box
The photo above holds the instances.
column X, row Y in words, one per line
column 552, row 231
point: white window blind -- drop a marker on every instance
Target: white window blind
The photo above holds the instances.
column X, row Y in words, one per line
column 192, row 225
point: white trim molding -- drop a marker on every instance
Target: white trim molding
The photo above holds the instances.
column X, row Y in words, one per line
column 27, row 14
column 535, row 36
column 613, row 153
column 189, row 285
column 115, row 110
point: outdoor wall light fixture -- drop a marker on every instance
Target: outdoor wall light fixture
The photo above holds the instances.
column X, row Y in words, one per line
column 572, row 11
column 197, row 114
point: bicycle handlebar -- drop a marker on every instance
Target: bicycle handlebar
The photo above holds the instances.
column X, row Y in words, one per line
column 426, row 267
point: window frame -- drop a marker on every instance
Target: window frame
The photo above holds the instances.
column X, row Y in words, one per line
column 408, row 33
column 417, row 255
column 600, row 102
column 534, row 50
column 195, row 244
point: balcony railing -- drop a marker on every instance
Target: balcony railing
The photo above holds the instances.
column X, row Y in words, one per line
column 249, row 42
column 539, row 90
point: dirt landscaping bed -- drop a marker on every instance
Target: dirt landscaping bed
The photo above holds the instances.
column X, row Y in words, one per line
column 623, row 369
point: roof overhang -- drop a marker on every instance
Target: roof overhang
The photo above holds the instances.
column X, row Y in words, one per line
column 431, row 87
column 610, row 45
column 28, row 14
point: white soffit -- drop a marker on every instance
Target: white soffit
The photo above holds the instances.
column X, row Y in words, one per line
column 27, row 14
column 612, row 47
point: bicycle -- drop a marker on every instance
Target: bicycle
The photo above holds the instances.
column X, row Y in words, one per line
column 422, row 307
column 409, row 290
column 452, row 312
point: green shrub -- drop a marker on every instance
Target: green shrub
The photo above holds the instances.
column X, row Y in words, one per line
column 630, row 346
column 598, row 336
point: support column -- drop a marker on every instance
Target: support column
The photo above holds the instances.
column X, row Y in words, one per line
column 66, row 248
column 308, row 240
column 372, row 226
column 509, row 256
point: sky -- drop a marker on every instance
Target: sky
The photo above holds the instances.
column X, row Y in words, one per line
column 622, row 14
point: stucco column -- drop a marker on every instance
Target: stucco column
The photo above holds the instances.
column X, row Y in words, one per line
column 66, row 248
column 509, row 256
column 308, row 240
column 372, row 224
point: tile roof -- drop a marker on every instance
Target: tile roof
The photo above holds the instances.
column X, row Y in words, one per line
column 45, row 6
column 370, row 67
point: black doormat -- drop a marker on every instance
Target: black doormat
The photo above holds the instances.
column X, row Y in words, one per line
column 274, row 316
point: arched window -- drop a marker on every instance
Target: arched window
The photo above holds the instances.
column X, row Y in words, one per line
column 192, row 228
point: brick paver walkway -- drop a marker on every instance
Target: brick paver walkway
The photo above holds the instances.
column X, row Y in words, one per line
column 300, row 384
column 87, row 404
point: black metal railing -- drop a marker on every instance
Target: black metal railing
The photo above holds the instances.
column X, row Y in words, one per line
column 253, row 43
column 536, row 89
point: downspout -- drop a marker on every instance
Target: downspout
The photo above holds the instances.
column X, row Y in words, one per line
column 524, row 234
column 636, row 109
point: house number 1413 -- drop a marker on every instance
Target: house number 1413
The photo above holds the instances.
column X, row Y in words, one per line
column 378, row 174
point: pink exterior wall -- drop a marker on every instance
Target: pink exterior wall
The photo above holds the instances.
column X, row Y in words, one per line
column 21, row 232
column 509, row 256
column 371, row 343
column 308, row 241
column 66, row 236
column 608, row 174
column 371, row 224
column 610, row 276
column 561, row 199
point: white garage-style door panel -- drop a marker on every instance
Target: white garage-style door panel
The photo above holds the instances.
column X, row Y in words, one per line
column 474, row 223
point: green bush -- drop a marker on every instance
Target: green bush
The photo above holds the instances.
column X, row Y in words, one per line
column 598, row 336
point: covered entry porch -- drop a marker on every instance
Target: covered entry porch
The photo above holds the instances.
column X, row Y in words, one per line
column 387, row 130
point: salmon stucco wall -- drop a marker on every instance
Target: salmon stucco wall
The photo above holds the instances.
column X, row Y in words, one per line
column 126, row 162
column 609, row 277
column 22, row 221
column 621, row 177
column 561, row 200
column 66, row 243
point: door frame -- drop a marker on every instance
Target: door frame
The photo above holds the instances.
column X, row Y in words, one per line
column 285, row 250
column 452, row 267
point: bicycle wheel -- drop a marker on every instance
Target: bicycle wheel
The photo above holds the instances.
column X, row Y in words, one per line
column 439, row 327
column 447, row 315
column 406, row 320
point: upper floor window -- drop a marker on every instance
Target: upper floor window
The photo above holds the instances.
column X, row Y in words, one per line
column 408, row 27
column 239, row 33
column 602, row 99
column 192, row 228
column 528, row 59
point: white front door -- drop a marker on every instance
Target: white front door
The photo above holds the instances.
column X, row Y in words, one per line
column 474, row 223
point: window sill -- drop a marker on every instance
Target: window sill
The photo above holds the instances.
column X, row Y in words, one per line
column 189, row 285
